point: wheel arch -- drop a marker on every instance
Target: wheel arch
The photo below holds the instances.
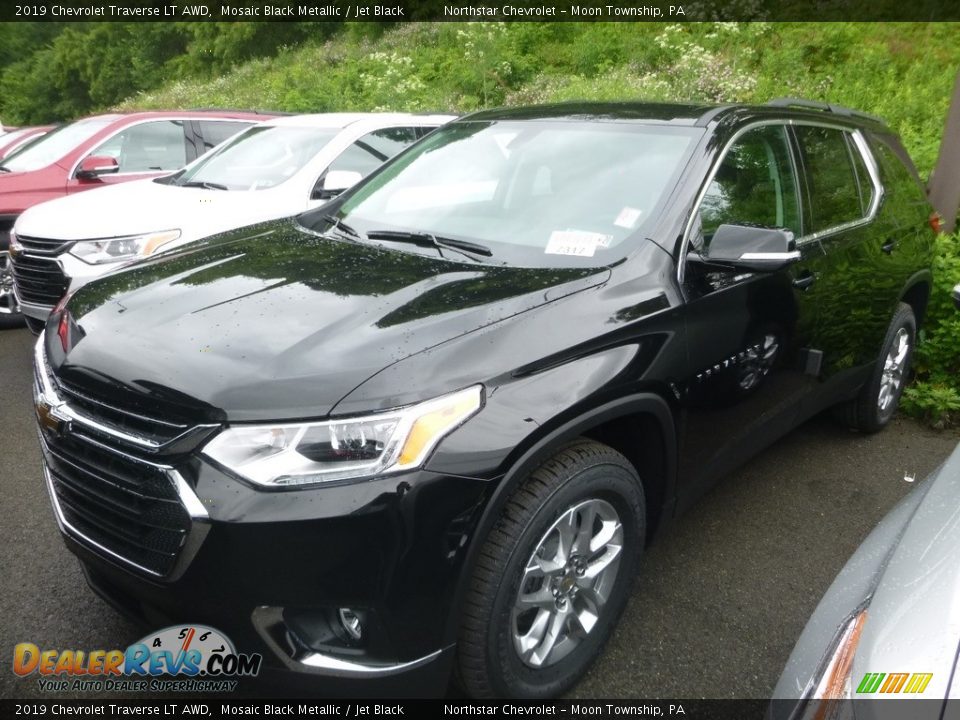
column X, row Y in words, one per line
column 916, row 293
column 616, row 424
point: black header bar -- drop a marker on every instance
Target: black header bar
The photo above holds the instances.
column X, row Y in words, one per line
column 489, row 10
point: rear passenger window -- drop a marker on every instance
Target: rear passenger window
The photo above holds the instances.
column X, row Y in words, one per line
column 897, row 168
column 754, row 185
column 834, row 191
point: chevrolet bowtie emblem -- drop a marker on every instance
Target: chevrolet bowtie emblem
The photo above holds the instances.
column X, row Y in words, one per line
column 49, row 419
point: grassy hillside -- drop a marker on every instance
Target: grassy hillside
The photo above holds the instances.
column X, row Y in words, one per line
column 903, row 72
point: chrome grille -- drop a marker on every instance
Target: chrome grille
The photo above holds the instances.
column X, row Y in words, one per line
column 38, row 280
column 119, row 502
column 128, row 508
column 44, row 246
column 152, row 431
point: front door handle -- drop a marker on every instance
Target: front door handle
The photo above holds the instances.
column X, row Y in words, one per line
column 804, row 281
column 889, row 246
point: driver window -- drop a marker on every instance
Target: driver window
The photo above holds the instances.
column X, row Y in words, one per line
column 754, row 185
column 147, row 147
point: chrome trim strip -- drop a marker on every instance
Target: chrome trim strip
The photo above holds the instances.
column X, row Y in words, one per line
column 188, row 497
column 859, row 141
column 335, row 666
column 62, row 409
column 86, row 398
column 792, row 255
column 73, row 416
column 268, row 622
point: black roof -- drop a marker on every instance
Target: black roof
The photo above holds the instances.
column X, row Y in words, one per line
column 682, row 113
column 699, row 114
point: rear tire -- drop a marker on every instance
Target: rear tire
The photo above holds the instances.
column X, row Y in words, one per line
column 877, row 402
column 553, row 575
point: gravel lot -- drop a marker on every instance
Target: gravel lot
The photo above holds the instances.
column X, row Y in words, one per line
column 721, row 599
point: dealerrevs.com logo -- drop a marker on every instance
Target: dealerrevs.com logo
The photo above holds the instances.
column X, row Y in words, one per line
column 192, row 658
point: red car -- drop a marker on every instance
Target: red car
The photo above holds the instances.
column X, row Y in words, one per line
column 17, row 138
column 99, row 151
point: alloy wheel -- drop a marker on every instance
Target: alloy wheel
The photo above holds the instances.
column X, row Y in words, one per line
column 566, row 582
column 893, row 370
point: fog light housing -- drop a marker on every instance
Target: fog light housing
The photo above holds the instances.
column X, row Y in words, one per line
column 352, row 623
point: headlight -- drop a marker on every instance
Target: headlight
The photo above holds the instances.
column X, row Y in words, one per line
column 277, row 456
column 834, row 681
column 111, row 250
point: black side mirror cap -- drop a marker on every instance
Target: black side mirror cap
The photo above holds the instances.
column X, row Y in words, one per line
column 746, row 247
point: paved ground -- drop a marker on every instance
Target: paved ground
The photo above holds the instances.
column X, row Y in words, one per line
column 721, row 600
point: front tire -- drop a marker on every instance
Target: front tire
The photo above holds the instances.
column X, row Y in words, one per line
column 877, row 402
column 553, row 576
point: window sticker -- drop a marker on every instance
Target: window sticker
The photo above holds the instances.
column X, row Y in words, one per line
column 575, row 242
column 628, row 217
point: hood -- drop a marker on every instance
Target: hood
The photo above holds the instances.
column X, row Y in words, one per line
column 913, row 620
column 271, row 322
column 145, row 206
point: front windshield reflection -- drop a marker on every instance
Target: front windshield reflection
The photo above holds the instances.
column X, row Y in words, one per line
column 538, row 194
column 259, row 158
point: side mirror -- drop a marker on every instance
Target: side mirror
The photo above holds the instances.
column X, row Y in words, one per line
column 93, row 166
column 334, row 183
column 752, row 248
column 956, row 296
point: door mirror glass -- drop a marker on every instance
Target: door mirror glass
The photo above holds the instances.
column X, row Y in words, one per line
column 94, row 166
column 956, row 296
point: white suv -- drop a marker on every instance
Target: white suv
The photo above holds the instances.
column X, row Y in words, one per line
column 274, row 169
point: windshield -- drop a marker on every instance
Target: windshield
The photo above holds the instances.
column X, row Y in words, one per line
column 261, row 157
column 535, row 194
column 54, row 145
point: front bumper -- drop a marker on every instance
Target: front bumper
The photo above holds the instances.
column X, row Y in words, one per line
column 273, row 569
column 274, row 582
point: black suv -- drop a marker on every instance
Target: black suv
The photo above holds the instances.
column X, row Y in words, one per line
column 427, row 430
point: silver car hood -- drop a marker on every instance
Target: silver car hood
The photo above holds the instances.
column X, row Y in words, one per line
column 909, row 570
column 913, row 620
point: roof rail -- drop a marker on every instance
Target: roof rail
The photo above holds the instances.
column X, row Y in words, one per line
column 826, row 107
column 254, row 111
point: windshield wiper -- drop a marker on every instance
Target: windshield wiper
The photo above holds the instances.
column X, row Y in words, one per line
column 204, row 185
column 4, row 168
column 425, row 239
column 338, row 224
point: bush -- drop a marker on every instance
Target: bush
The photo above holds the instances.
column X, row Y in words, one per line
column 935, row 395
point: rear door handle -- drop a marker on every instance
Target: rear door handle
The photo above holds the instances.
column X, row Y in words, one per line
column 804, row 281
column 889, row 246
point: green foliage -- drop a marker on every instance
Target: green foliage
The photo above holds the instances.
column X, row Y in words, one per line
column 894, row 70
column 938, row 404
column 58, row 71
column 936, row 393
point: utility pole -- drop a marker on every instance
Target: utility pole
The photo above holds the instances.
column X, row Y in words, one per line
column 944, row 190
